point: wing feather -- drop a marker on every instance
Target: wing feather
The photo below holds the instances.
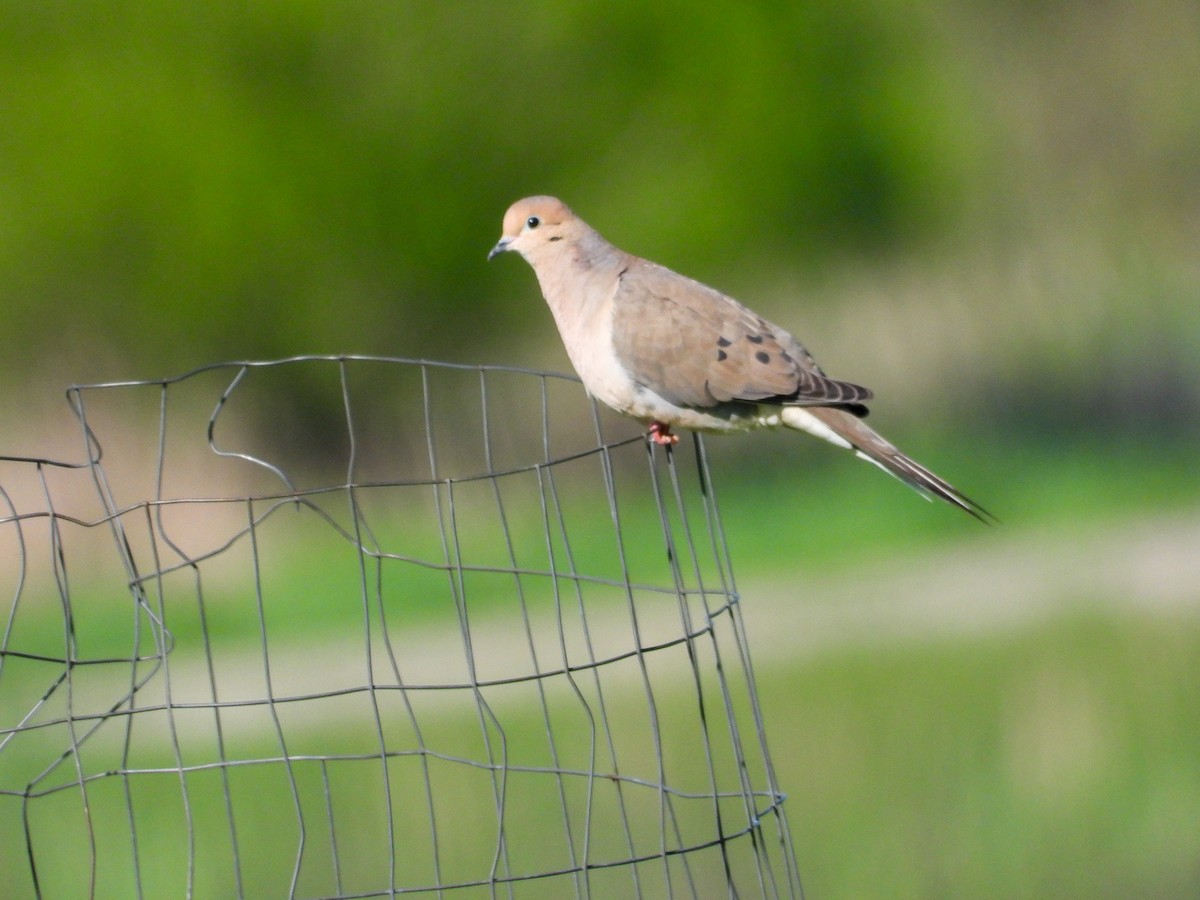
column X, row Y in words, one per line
column 694, row 346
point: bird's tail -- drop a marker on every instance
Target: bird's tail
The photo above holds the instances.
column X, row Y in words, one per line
column 846, row 430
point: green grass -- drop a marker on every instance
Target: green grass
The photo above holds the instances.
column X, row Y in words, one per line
column 818, row 506
column 1054, row 759
column 1060, row 761
column 805, row 505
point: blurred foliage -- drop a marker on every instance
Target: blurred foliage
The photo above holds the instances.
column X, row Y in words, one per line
column 196, row 182
column 979, row 209
column 181, row 183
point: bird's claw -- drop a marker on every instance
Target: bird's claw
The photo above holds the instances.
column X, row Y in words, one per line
column 660, row 434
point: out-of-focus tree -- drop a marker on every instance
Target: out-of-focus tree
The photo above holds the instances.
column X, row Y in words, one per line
column 182, row 182
column 191, row 181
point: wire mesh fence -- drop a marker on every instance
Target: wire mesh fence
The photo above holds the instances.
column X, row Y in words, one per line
column 461, row 641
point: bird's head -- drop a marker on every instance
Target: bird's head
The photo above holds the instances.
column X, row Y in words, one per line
column 533, row 224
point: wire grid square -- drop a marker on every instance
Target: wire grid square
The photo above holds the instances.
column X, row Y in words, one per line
column 462, row 642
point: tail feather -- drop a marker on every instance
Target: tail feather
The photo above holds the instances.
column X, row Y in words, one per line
column 846, row 430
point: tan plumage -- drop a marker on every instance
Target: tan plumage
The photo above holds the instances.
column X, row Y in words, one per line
column 700, row 348
column 671, row 351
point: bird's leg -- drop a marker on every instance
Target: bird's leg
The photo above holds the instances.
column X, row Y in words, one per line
column 660, row 433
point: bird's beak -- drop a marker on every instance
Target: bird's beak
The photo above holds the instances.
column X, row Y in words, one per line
column 501, row 246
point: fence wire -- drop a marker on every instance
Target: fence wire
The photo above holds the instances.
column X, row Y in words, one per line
column 434, row 633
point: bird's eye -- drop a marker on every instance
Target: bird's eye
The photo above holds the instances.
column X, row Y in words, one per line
column 533, row 222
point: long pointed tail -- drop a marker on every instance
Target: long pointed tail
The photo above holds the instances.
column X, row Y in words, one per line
column 846, row 430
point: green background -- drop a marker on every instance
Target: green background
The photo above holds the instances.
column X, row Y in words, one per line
column 989, row 213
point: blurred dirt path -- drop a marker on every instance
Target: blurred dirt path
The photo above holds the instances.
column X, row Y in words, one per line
column 993, row 583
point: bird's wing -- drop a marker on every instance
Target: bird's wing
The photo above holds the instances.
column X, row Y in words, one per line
column 694, row 346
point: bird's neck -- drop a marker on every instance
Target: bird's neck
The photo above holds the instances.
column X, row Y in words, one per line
column 568, row 274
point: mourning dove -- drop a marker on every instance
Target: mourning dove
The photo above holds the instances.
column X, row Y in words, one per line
column 670, row 351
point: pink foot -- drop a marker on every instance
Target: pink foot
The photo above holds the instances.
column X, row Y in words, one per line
column 660, row 433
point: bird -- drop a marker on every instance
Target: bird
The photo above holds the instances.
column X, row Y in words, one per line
column 675, row 353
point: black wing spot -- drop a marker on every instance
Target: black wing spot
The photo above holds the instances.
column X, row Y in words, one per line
column 763, row 356
column 754, row 338
column 723, row 342
column 722, row 356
